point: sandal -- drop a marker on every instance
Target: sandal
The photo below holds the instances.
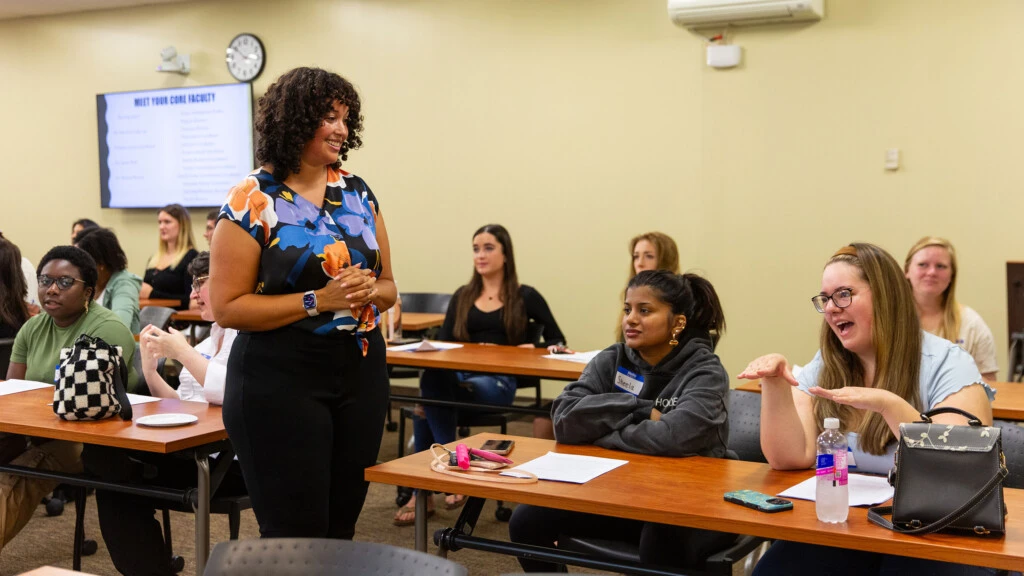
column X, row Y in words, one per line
column 406, row 515
column 456, row 504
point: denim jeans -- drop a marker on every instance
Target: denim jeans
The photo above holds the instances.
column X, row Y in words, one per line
column 440, row 423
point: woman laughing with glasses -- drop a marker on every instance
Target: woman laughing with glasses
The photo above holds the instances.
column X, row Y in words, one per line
column 876, row 369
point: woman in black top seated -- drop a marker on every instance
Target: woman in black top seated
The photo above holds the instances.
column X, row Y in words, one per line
column 494, row 308
column 167, row 272
column 13, row 290
column 662, row 392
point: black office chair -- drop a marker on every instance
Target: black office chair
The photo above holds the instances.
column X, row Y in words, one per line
column 323, row 557
column 745, row 444
column 1013, row 448
column 158, row 316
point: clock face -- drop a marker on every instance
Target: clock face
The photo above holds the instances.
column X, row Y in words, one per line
column 245, row 57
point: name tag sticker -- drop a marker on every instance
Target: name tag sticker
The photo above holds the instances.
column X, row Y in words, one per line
column 629, row 381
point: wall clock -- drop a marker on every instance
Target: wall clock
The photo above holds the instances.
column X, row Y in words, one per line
column 246, row 57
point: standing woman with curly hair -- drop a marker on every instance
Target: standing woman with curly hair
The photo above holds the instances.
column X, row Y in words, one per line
column 302, row 267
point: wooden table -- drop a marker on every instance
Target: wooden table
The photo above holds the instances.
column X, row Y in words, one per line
column 491, row 359
column 1008, row 405
column 31, row 413
column 688, row 492
column 190, row 315
column 164, row 302
column 417, row 321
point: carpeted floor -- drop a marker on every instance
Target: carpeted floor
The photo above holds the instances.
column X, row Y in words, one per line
column 47, row 540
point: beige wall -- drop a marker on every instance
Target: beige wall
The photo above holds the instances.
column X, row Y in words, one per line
column 579, row 123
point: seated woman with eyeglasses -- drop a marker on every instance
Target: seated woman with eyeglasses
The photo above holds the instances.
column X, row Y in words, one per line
column 204, row 367
column 67, row 280
column 133, row 537
column 876, row 369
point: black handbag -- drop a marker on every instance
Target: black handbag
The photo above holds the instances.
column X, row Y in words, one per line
column 91, row 381
column 947, row 478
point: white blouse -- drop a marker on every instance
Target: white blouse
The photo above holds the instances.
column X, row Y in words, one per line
column 216, row 373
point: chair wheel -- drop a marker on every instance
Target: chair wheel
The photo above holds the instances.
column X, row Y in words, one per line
column 391, row 426
column 54, row 507
column 503, row 514
column 403, row 497
column 177, row 564
column 89, row 547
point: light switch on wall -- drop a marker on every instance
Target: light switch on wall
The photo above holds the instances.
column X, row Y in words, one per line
column 892, row 159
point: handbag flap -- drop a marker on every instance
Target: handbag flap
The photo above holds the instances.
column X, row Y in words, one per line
column 948, row 437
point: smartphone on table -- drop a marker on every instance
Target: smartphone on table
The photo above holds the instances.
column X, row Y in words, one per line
column 501, row 447
column 758, row 501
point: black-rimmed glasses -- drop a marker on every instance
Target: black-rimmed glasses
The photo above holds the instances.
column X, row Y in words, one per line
column 198, row 281
column 63, row 282
column 842, row 298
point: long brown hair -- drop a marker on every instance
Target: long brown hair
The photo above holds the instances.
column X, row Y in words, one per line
column 514, row 313
column 13, row 289
column 949, row 326
column 895, row 336
column 186, row 241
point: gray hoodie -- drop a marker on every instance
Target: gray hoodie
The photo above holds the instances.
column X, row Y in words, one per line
column 689, row 387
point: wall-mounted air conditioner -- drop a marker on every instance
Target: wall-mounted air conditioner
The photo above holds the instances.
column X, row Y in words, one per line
column 710, row 13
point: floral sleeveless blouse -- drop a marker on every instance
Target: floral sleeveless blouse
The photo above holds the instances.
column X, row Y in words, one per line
column 304, row 245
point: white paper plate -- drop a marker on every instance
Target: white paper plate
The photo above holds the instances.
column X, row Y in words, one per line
column 166, row 420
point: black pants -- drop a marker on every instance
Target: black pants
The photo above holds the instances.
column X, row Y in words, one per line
column 132, row 534
column 305, row 414
column 660, row 544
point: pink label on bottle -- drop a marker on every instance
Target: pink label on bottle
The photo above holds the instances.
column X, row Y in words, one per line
column 841, row 472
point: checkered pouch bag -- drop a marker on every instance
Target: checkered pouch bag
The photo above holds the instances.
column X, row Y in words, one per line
column 91, row 379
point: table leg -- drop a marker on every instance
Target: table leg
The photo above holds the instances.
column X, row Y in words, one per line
column 202, row 510
column 421, row 519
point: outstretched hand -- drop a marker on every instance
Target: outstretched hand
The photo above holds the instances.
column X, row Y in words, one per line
column 768, row 367
column 873, row 399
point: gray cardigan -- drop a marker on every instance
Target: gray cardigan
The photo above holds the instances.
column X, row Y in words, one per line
column 689, row 387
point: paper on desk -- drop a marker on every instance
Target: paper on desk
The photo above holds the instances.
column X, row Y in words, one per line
column 135, row 399
column 581, row 357
column 14, row 386
column 567, row 467
column 425, row 346
column 864, row 490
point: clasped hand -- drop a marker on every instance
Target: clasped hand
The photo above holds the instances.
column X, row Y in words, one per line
column 154, row 344
column 352, row 288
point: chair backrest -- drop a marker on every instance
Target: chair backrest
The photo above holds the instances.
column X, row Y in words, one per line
column 6, row 346
column 320, row 557
column 427, row 302
column 156, row 315
column 1013, row 448
column 745, row 425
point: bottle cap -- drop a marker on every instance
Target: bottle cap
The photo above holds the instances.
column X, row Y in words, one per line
column 832, row 423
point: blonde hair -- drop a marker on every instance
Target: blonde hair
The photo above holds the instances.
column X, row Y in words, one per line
column 667, row 256
column 949, row 325
column 185, row 241
column 896, row 339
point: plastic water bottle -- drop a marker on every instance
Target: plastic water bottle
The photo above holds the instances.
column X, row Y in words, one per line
column 832, row 500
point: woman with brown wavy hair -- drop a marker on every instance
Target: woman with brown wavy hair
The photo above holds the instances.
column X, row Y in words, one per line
column 876, row 369
column 931, row 269
column 494, row 308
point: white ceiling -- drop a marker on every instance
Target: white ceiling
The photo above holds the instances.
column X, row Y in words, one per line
column 10, row 9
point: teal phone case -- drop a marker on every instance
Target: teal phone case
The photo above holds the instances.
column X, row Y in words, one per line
column 758, row 501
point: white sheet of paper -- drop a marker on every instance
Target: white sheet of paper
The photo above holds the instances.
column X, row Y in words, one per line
column 135, row 399
column 425, row 346
column 864, row 490
column 567, row 467
column 581, row 357
column 15, row 386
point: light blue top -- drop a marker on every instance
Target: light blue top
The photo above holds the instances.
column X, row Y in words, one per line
column 945, row 368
